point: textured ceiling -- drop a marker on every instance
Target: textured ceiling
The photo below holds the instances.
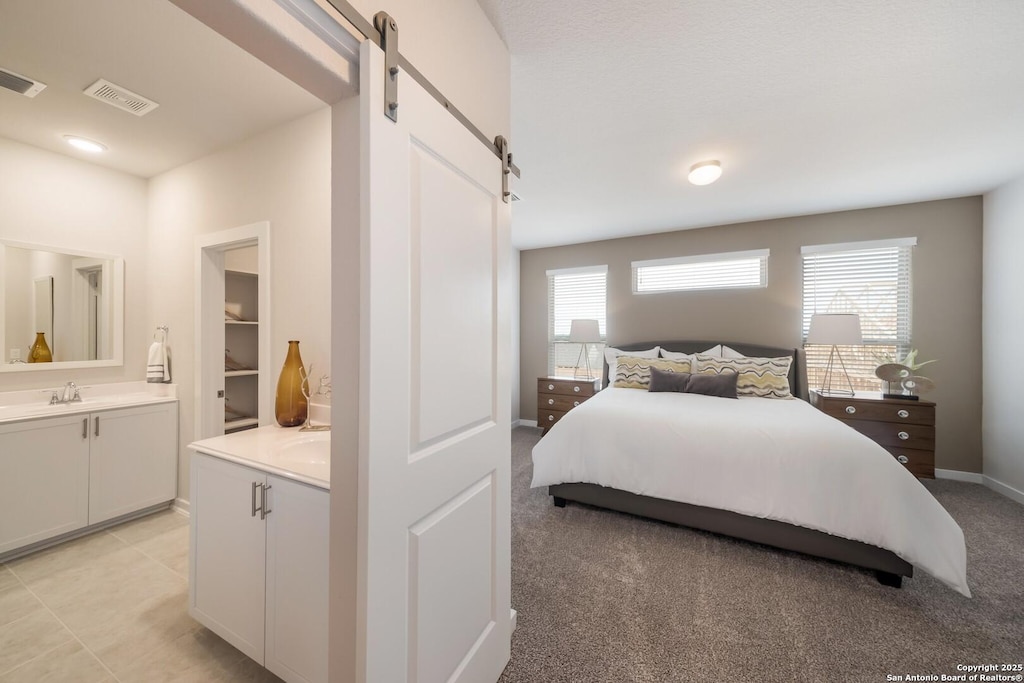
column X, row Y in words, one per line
column 211, row 93
column 810, row 106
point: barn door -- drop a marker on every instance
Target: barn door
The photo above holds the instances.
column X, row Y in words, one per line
column 435, row 392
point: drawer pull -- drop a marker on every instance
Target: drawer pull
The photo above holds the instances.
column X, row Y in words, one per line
column 551, row 387
column 903, row 436
column 903, row 459
column 575, row 403
column 551, row 418
column 551, row 401
column 903, row 413
column 851, row 410
column 576, row 389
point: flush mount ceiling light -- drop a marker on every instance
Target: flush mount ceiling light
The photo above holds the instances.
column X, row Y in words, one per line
column 705, row 172
column 85, row 144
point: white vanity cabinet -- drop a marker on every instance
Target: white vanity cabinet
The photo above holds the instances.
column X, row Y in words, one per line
column 133, row 459
column 62, row 474
column 258, row 574
column 44, row 479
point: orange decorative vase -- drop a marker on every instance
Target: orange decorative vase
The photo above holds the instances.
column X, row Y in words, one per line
column 40, row 352
column 290, row 405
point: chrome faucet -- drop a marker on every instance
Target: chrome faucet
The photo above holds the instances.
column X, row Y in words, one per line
column 69, row 394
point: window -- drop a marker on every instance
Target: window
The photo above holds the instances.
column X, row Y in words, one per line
column 871, row 279
column 575, row 293
column 737, row 269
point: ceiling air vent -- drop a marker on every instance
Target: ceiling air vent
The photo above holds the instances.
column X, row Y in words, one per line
column 20, row 84
column 119, row 97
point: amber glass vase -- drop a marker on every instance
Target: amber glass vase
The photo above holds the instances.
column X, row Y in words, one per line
column 290, row 405
column 40, row 351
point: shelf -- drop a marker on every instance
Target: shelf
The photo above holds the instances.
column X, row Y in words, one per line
column 243, row 423
column 228, row 271
column 241, row 373
column 229, row 321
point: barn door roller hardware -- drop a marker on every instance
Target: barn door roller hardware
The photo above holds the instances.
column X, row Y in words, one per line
column 384, row 33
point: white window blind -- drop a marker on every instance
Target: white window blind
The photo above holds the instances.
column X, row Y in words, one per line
column 575, row 293
column 871, row 279
column 736, row 269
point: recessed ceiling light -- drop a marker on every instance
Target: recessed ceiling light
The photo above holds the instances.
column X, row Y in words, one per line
column 85, row 144
column 705, row 172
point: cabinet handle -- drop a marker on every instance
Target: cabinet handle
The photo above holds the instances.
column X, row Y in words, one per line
column 576, row 389
column 85, row 428
column 903, row 459
column 551, row 418
column 575, row 403
column 903, row 435
column 851, row 410
column 255, row 485
column 551, row 401
column 903, row 413
column 264, row 510
column 97, row 430
column 551, row 387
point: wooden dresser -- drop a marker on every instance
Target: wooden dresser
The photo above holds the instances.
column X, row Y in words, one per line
column 904, row 428
column 558, row 395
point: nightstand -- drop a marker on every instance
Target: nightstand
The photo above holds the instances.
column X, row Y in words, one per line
column 558, row 395
column 904, row 428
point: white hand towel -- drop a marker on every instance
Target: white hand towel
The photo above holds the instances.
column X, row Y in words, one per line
column 158, row 370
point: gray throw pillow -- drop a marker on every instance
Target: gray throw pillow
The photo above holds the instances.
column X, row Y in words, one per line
column 662, row 380
column 723, row 385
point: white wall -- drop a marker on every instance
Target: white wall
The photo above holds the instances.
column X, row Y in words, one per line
column 1002, row 331
column 51, row 199
column 282, row 176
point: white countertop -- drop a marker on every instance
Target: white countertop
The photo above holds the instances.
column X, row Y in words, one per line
column 282, row 451
column 33, row 404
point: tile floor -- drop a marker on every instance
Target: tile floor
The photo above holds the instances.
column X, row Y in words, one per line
column 111, row 607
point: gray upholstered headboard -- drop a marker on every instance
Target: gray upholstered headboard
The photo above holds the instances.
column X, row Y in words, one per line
column 797, row 371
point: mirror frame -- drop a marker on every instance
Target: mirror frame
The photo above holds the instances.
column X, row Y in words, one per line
column 116, row 308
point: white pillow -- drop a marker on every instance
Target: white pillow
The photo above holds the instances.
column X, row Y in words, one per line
column 611, row 356
column 676, row 355
column 730, row 353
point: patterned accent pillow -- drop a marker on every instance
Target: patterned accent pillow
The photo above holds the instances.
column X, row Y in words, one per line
column 760, row 377
column 635, row 373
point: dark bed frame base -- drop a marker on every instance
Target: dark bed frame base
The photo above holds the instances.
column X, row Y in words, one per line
column 889, row 568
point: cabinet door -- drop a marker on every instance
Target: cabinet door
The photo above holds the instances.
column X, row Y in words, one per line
column 297, row 567
column 134, row 459
column 227, row 553
column 44, row 480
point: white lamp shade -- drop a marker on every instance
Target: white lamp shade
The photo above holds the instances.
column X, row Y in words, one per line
column 583, row 331
column 841, row 329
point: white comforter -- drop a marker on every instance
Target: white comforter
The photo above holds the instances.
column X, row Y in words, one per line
column 776, row 459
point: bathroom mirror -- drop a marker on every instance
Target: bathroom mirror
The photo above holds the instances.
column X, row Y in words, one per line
column 75, row 298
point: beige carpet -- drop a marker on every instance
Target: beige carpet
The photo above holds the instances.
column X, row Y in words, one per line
column 604, row 596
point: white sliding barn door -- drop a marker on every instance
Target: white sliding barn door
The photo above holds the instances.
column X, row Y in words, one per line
column 434, row 394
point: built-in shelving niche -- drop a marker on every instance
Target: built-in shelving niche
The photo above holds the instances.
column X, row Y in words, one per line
column 241, row 341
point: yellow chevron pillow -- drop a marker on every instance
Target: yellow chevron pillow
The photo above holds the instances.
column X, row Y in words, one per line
column 635, row 373
column 760, row 377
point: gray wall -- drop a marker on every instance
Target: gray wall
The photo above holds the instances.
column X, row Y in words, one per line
column 1003, row 329
column 946, row 295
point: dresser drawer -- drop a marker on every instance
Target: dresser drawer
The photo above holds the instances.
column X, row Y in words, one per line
column 879, row 410
column 558, row 402
column 546, row 418
column 566, row 386
column 921, row 463
column 921, row 437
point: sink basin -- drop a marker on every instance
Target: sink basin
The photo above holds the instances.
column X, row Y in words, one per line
column 310, row 449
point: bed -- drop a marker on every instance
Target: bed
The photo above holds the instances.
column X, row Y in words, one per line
column 775, row 472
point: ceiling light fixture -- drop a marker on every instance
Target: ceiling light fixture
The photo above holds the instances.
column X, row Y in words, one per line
column 705, row 172
column 85, row 144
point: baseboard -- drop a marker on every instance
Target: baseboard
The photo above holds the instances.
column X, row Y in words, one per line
column 1005, row 489
column 181, row 506
column 515, row 619
column 959, row 475
column 526, row 423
